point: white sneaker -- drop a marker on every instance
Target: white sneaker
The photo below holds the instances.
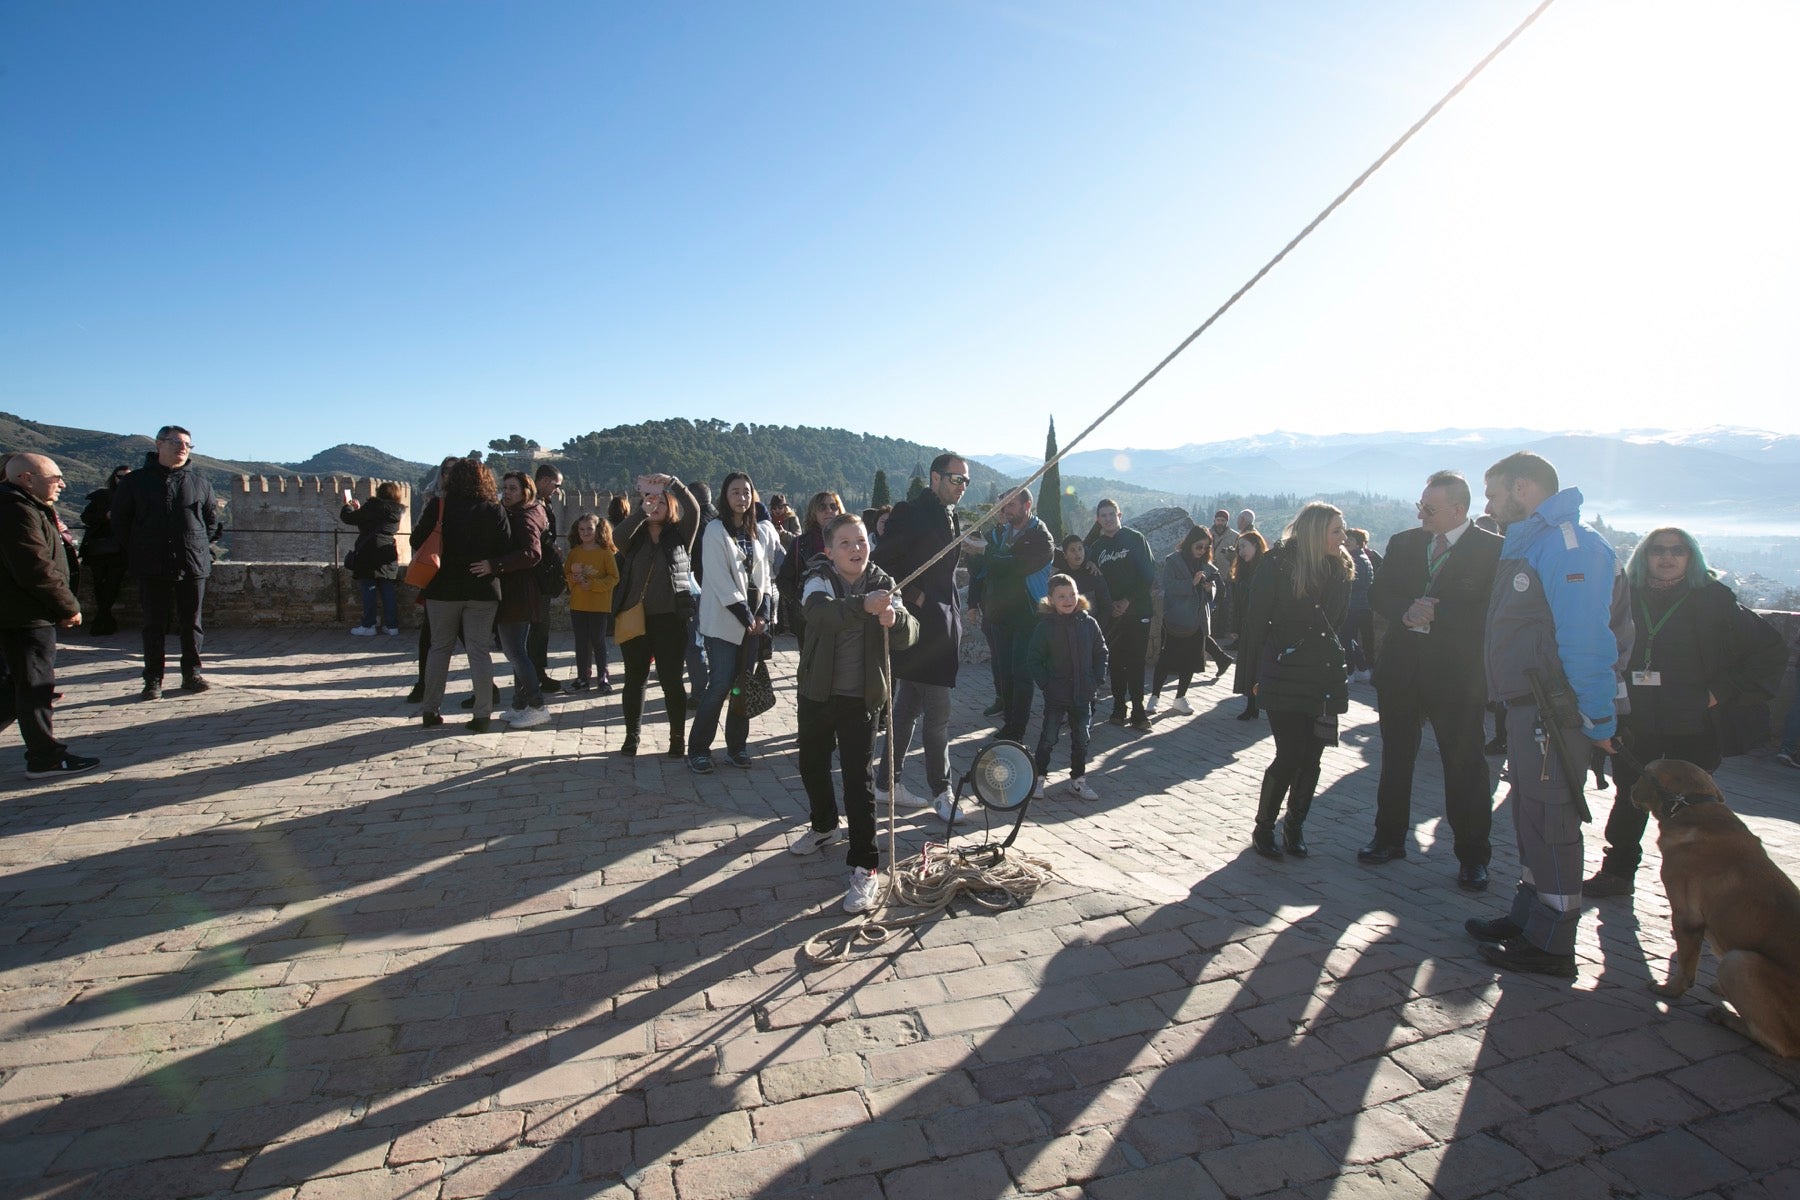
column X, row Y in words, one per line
column 945, row 806
column 864, row 891
column 1153, row 705
column 526, row 718
column 394, row 632
column 1080, row 788
column 943, row 798
column 1180, row 704
column 905, row 799
column 1037, row 788
column 811, row 841
column 364, row 631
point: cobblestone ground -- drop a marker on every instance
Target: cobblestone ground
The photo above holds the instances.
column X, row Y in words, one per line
column 290, row 944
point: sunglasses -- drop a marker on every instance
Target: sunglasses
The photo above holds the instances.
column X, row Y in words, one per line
column 958, row 480
column 1665, row 550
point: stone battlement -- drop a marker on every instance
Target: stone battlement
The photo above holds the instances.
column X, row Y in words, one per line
column 294, row 518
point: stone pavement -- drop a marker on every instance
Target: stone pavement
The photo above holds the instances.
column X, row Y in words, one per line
column 290, row 944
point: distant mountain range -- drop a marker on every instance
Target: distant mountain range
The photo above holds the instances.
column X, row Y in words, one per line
column 1719, row 477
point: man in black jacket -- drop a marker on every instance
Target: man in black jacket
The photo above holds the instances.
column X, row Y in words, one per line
column 165, row 516
column 1433, row 588
column 925, row 672
column 35, row 601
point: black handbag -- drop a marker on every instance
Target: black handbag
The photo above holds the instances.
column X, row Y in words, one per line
column 752, row 692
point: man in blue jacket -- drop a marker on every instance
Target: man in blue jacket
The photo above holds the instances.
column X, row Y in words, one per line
column 1560, row 609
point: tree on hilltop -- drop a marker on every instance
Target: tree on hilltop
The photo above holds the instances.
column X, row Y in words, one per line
column 1049, row 501
column 878, row 494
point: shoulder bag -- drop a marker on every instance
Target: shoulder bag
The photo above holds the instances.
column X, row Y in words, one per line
column 430, row 554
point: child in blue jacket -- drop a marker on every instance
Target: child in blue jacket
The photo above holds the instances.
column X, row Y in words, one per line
column 1067, row 658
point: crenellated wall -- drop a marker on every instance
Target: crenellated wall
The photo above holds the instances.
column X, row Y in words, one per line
column 294, row 519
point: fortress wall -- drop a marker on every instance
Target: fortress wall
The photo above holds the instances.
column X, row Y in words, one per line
column 294, row 519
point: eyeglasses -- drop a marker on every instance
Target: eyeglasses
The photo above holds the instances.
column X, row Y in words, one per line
column 185, row 445
column 958, row 480
column 1666, row 550
column 1425, row 510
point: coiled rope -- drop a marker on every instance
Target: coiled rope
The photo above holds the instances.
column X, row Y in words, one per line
column 912, row 883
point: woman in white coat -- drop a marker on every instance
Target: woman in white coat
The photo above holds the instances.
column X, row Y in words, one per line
column 737, row 601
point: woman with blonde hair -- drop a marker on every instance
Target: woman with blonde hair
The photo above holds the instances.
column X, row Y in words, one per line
column 655, row 543
column 1291, row 662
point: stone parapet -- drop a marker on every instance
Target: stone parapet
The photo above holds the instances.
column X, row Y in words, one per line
column 294, row 518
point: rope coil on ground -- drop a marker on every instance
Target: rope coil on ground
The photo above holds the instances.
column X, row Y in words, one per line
column 930, row 883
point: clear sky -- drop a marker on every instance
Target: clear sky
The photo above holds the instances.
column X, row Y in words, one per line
column 423, row 225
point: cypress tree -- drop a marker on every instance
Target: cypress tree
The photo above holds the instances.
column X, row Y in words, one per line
column 1049, row 501
column 878, row 495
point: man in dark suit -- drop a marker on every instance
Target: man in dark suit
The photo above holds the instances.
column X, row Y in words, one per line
column 1433, row 588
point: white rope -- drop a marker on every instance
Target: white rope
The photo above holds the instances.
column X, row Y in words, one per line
column 933, row 887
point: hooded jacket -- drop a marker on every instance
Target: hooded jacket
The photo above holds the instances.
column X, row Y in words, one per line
column 1561, row 605
column 829, row 615
column 1067, row 657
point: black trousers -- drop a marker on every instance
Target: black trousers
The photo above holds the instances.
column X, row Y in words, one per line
column 31, row 663
column 1468, row 790
column 843, row 724
column 537, row 648
column 1293, row 773
column 664, row 643
column 163, row 599
column 1625, row 825
column 1128, row 642
column 108, row 571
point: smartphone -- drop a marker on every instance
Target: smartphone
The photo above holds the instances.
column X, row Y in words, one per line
column 346, row 495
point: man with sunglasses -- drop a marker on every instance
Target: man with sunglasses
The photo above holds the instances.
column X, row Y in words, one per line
column 167, row 519
column 925, row 672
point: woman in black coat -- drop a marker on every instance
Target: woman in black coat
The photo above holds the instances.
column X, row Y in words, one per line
column 457, row 600
column 1246, row 557
column 1290, row 660
column 1687, row 660
column 103, row 555
column 375, row 560
column 655, row 547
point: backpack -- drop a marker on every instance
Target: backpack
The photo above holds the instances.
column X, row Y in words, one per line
column 548, row 573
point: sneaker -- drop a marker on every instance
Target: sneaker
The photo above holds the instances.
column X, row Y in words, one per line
column 1116, row 719
column 1788, row 758
column 68, row 764
column 531, row 717
column 904, row 798
column 811, row 841
column 580, row 685
column 549, row 686
column 700, row 764
column 1604, row 883
column 195, row 683
column 604, row 687
column 393, row 632
column 1180, row 705
column 152, row 690
column 942, row 798
column 864, row 892
column 1141, row 722
column 430, row 720
column 1153, row 705
column 364, row 631
column 1082, row 789
column 738, row 758
column 945, row 806
column 994, row 709
column 1037, row 788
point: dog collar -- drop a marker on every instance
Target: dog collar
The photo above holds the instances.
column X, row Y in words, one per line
column 1681, row 800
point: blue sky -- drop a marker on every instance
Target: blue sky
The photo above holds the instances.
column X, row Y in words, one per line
column 420, row 226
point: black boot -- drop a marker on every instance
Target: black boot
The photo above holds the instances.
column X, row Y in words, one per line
column 1299, row 804
column 1262, row 838
column 1249, row 713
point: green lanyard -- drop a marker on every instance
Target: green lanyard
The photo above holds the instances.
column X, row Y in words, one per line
column 1656, row 626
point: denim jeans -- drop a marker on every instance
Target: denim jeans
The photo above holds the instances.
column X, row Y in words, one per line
column 929, row 705
column 722, row 669
column 390, row 613
column 1080, row 715
column 590, row 643
column 525, row 678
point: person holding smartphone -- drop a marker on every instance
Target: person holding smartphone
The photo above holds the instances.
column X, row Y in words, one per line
column 375, row 560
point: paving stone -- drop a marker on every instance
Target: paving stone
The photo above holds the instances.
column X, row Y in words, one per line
column 1181, row 1177
column 981, row 1174
column 1674, row 1163
column 1252, row 1168
column 1470, row 1166
column 1073, row 1158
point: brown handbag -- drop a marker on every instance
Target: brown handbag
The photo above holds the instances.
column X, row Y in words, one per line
column 430, row 554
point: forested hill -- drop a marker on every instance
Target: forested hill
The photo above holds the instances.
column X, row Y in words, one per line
column 798, row 460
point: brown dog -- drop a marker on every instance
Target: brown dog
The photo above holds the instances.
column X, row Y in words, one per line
column 1722, row 886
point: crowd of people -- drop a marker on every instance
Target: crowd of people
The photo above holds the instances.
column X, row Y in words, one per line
column 1522, row 610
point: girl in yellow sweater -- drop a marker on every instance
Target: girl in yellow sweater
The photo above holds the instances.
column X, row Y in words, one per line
column 592, row 570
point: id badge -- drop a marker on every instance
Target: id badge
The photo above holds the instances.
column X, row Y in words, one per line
column 1646, row 678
